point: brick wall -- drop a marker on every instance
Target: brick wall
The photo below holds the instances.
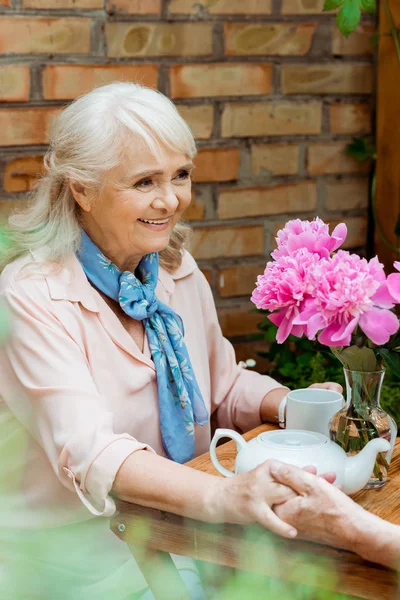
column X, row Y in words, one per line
column 272, row 96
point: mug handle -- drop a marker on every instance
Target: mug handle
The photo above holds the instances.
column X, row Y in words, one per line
column 221, row 433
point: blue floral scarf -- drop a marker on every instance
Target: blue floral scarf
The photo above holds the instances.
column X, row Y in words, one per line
column 179, row 397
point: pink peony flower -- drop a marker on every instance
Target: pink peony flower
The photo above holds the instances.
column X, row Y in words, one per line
column 312, row 235
column 284, row 287
column 393, row 282
column 348, row 291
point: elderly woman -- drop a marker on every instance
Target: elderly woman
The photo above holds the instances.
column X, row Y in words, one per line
column 116, row 362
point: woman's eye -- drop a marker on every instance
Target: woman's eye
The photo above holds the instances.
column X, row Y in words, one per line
column 144, row 183
column 182, row 175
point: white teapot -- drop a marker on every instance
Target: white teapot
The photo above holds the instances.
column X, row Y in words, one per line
column 302, row 448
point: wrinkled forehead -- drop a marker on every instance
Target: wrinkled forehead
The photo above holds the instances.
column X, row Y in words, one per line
column 137, row 159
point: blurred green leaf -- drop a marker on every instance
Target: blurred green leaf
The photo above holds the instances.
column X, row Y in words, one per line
column 360, row 149
column 375, row 38
column 392, row 360
column 368, row 5
column 348, row 17
column 332, row 4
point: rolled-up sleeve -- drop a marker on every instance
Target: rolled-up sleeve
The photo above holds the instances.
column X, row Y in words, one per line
column 45, row 380
column 236, row 394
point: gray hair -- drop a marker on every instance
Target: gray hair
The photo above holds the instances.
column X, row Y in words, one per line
column 86, row 142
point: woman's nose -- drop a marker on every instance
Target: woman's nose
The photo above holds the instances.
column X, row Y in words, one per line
column 166, row 198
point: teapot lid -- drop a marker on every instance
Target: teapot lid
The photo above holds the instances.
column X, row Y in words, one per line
column 293, row 438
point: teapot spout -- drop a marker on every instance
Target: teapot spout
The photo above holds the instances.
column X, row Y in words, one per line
column 358, row 468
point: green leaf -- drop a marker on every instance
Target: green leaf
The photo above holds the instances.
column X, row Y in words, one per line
column 356, row 359
column 360, row 149
column 392, row 360
column 348, row 17
column 368, row 5
column 375, row 38
column 332, row 4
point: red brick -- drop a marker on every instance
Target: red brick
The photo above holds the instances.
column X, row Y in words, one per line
column 278, row 159
column 239, row 280
column 299, row 197
column 195, row 211
column 208, row 275
column 220, row 79
column 244, row 119
column 159, row 39
column 359, row 42
column 14, row 83
column 213, row 242
column 199, row 118
column 42, row 35
column 325, row 78
column 239, row 320
column 243, row 39
column 350, row 118
column 63, row 4
column 21, row 174
column 221, row 7
column 26, row 126
column 65, row 82
column 331, row 157
column 217, row 164
column 135, row 7
column 346, row 194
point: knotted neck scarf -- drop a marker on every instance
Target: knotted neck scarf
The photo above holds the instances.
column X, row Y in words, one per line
column 179, row 397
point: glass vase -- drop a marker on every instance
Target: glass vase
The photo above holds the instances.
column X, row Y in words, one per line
column 362, row 419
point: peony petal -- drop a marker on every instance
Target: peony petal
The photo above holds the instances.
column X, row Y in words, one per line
column 310, row 309
column 277, row 317
column 383, row 297
column 344, row 330
column 393, row 283
column 325, row 337
column 339, row 234
column 298, row 330
column 316, row 323
column 378, row 325
column 396, row 265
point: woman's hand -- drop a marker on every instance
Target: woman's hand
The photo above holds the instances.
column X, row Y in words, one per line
column 320, row 512
column 250, row 498
column 328, row 385
column 271, row 401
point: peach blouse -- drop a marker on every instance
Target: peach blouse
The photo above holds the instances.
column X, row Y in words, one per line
column 82, row 397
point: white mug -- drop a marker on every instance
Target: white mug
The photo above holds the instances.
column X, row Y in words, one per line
column 312, row 409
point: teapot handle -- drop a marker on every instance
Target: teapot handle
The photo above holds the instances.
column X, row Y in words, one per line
column 221, row 433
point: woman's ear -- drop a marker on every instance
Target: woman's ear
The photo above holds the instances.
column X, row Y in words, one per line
column 81, row 195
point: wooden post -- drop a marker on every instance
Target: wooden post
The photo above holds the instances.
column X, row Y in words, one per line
column 388, row 137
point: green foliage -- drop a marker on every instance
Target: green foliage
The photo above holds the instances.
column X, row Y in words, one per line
column 299, row 362
column 349, row 14
column 348, row 17
column 368, row 5
column 332, row 4
column 361, row 149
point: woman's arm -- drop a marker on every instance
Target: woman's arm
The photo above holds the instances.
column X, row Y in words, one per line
column 150, row 480
column 322, row 513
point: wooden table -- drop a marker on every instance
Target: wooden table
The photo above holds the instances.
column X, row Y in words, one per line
column 152, row 534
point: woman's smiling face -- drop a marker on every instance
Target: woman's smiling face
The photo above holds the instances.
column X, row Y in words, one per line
column 140, row 203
